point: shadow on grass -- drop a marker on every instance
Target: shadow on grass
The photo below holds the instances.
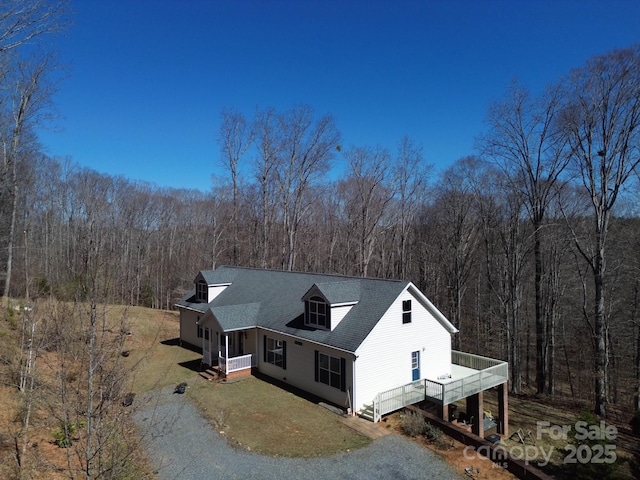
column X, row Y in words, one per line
column 175, row 342
column 193, row 365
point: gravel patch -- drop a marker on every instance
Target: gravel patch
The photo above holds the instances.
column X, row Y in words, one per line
column 183, row 445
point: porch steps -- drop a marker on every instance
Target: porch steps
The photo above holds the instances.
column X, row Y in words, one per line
column 366, row 412
column 209, row 374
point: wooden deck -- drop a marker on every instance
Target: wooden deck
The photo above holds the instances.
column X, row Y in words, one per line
column 470, row 374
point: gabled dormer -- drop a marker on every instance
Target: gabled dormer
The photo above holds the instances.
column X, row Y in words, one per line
column 326, row 304
column 208, row 288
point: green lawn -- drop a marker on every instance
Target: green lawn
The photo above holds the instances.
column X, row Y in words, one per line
column 265, row 418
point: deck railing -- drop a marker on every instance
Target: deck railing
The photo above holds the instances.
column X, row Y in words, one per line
column 233, row 364
column 477, row 362
column 490, row 373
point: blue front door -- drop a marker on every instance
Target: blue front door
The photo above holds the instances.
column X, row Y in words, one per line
column 415, row 365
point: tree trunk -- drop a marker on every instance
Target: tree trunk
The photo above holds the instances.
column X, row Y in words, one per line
column 12, row 231
column 541, row 334
column 600, row 357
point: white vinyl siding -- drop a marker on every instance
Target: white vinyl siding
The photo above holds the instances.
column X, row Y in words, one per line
column 215, row 290
column 338, row 313
column 189, row 327
column 300, row 370
column 384, row 358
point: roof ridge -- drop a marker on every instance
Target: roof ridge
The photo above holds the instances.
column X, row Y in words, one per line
column 337, row 275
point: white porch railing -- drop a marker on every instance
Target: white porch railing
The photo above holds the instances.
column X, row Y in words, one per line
column 490, row 373
column 233, row 364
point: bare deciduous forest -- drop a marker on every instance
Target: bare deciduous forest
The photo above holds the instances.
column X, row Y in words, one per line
column 531, row 246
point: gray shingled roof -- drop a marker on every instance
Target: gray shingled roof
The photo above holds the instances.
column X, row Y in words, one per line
column 345, row 291
column 273, row 299
column 236, row 317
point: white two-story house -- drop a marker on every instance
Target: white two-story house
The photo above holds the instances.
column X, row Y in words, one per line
column 363, row 344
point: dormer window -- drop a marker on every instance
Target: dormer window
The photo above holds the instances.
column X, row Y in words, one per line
column 202, row 292
column 317, row 313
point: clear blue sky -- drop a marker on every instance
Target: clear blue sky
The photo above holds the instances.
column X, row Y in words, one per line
column 148, row 79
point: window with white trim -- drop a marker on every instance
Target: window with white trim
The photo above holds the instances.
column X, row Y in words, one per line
column 330, row 370
column 317, row 312
column 275, row 352
column 202, row 291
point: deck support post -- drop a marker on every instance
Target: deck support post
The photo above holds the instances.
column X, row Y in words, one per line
column 443, row 410
column 503, row 409
column 475, row 405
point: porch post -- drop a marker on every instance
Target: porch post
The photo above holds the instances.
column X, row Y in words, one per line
column 503, row 409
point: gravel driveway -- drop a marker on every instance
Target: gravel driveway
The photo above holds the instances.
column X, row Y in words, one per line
column 183, row 445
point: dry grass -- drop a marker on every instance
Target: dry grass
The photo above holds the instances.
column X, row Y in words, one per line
column 155, row 356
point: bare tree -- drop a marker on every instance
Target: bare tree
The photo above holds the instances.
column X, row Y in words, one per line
column 459, row 235
column 368, row 193
column 234, row 138
column 525, row 142
column 29, row 95
column 23, row 20
column 506, row 248
column 308, row 146
column 268, row 143
column 34, row 337
column 602, row 123
column 411, row 173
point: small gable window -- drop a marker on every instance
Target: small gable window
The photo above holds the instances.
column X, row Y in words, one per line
column 406, row 311
column 317, row 313
column 201, row 292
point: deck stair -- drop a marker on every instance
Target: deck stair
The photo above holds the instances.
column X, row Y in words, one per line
column 366, row 412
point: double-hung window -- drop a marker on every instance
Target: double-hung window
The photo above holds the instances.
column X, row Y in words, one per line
column 201, row 292
column 275, row 352
column 318, row 313
column 330, row 370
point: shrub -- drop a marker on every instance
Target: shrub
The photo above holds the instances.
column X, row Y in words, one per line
column 64, row 435
column 589, row 463
column 43, row 288
column 434, row 435
column 413, row 424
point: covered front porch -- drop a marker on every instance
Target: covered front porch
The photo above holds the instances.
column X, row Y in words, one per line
column 471, row 375
column 229, row 353
column 230, row 339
